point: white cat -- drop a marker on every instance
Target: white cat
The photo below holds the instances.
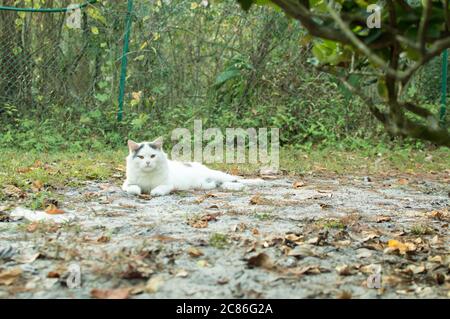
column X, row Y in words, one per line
column 150, row 171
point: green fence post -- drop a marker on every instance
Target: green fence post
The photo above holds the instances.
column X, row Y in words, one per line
column 123, row 71
column 444, row 87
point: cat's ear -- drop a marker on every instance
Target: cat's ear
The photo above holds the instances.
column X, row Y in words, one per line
column 132, row 145
column 158, row 143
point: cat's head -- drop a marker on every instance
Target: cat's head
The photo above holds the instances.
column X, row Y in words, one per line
column 146, row 156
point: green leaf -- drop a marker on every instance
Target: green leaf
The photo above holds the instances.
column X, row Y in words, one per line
column 226, row 76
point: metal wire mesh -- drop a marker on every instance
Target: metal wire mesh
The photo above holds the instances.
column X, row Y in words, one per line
column 45, row 60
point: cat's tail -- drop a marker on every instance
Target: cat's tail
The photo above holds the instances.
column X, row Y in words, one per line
column 232, row 182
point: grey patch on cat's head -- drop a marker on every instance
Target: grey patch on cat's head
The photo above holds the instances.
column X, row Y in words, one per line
column 155, row 147
column 135, row 154
column 156, row 144
column 187, row 164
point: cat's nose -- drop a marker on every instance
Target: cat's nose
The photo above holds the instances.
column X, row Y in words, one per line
column 148, row 163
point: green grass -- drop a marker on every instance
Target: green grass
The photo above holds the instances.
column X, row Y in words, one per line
column 219, row 241
column 332, row 224
column 63, row 169
column 421, row 230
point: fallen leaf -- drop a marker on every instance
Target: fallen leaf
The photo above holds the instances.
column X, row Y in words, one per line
column 343, row 270
column 202, row 263
column 345, row 295
column 364, row 253
column 268, row 172
column 7, row 277
column 239, row 227
column 313, row 241
column 53, row 274
column 294, row 238
column 413, row 269
column 202, row 221
column 307, row 270
column 342, row 243
column 119, row 293
column 383, row 219
column 403, row 248
column 137, row 272
column 261, row 260
column 202, row 198
column 194, row 252
column 182, row 273
column 103, row 239
column 37, row 186
column 298, row 184
column 53, row 210
column 435, row 259
column 259, row 200
column 31, row 228
column 223, row 281
column 26, row 259
column 137, row 290
column 234, row 171
column 439, row 215
column 13, row 191
column 153, row 284
column 304, row 250
column 402, row 181
column 325, row 206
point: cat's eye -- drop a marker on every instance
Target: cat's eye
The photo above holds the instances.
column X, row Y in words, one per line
column 153, row 156
column 141, row 157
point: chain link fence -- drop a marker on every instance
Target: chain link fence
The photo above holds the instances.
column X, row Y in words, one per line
column 58, row 57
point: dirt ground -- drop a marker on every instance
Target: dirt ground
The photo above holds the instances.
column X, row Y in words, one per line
column 308, row 237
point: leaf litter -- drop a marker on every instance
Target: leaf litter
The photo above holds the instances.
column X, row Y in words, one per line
column 319, row 233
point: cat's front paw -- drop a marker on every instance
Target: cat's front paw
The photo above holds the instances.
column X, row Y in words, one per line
column 161, row 190
column 133, row 189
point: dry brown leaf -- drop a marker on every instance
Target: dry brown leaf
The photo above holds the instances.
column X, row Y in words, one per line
column 53, row 274
column 402, row 248
column 307, row 270
column 303, row 250
column 202, row 198
column 31, row 228
column 294, row 238
column 259, row 200
column 298, row 184
column 37, row 186
column 261, row 260
column 435, row 259
column 234, row 171
column 344, row 270
column 383, row 219
column 119, row 293
column 103, row 239
column 53, row 210
column 403, row 181
column 194, row 252
column 26, row 259
column 13, row 191
column 153, row 284
column 345, row 295
column 413, row 269
column 202, row 263
column 7, row 277
column 182, row 273
column 439, row 215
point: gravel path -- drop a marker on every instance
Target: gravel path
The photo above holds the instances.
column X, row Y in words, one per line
column 313, row 237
